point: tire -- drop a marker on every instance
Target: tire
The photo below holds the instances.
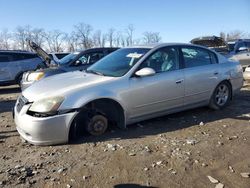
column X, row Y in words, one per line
column 221, row 96
column 97, row 125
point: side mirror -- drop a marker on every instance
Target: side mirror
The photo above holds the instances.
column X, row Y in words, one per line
column 242, row 49
column 78, row 62
column 145, row 72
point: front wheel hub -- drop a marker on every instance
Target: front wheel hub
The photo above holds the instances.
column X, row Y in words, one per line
column 97, row 125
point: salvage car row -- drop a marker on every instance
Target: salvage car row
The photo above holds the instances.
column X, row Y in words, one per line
column 126, row 86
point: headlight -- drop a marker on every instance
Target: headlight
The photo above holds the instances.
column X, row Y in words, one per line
column 34, row 76
column 47, row 105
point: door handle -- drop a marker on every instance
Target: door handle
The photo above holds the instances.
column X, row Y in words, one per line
column 179, row 81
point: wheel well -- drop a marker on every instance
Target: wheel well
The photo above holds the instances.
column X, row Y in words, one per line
column 17, row 76
column 110, row 108
column 107, row 107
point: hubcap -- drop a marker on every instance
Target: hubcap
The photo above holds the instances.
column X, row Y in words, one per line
column 222, row 95
column 99, row 126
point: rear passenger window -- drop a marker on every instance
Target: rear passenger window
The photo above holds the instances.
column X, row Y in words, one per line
column 194, row 57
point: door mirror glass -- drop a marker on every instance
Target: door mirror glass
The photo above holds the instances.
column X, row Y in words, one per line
column 78, row 63
column 145, row 72
column 242, row 49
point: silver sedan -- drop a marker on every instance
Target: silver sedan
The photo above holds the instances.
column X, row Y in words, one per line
column 127, row 86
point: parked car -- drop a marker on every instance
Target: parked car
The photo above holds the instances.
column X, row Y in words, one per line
column 14, row 63
column 74, row 61
column 238, row 50
column 127, row 86
column 241, row 52
column 57, row 56
column 212, row 42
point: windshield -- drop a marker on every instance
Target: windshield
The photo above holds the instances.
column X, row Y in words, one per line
column 68, row 58
column 118, row 63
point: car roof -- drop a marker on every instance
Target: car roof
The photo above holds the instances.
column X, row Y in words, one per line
column 17, row 51
column 159, row 45
column 97, row 49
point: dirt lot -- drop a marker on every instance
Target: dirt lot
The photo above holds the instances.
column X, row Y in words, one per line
column 178, row 150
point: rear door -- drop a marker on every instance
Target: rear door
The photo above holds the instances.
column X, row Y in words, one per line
column 5, row 70
column 201, row 74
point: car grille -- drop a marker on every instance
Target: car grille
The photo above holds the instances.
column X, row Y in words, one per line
column 20, row 103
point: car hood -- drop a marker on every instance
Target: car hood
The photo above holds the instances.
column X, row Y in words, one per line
column 59, row 85
column 40, row 52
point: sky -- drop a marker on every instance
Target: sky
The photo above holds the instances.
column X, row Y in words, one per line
column 175, row 20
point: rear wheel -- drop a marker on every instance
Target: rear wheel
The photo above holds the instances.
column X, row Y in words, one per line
column 221, row 96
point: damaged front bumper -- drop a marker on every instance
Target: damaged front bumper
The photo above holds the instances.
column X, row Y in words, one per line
column 49, row 130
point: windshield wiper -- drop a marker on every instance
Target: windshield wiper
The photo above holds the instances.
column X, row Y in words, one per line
column 95, row 72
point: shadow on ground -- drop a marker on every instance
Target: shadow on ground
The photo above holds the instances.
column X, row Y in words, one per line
column 9, row 90
column 7, row 134
column 132, row 186
column 7, row 106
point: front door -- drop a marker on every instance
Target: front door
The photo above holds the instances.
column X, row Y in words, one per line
column 161, row 91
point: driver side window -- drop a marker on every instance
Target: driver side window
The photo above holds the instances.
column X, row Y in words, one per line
column 163, row 60
column 83, row 60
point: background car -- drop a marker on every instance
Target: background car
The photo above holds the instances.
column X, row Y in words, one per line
column 57, row 56
column 14, row 63
column 212, row 42
column 127, row 86
column 241, row 52
column 71, row 62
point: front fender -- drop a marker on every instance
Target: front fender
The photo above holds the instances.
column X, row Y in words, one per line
column 80, row 99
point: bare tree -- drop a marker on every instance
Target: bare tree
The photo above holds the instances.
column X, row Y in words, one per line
column 151, row 37
column 82, row 32
column 111, row 36
column 223, row 35
column 5, row 39
column 233, row 35
column 99, row 39
column 21, row 34
column 130, row 31
column 38, row 36
column 55, row 40
column 71, row 42
column 118, row 38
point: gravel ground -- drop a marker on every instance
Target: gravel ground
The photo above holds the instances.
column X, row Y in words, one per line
column 195, row 148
